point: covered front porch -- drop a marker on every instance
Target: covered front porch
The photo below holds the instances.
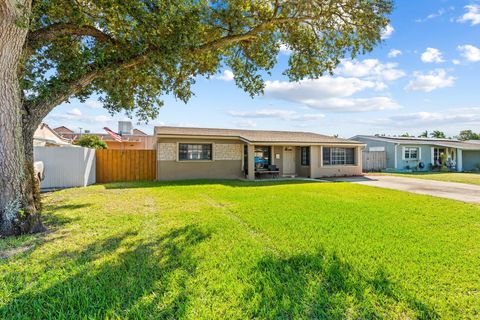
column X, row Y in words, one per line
column 273, row 161
column 266, row 161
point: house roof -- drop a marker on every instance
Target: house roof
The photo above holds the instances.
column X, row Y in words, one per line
column 138, row 132
column 450, row 143
column 253, row 136
column 46, row 134
column 63, row 129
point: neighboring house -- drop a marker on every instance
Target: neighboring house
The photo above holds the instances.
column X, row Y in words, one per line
column 45, row 136
column 423, row 154
column 130, row 138
column 195, row 153
column 63, row 130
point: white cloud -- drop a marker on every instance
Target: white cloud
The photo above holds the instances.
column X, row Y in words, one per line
column 436, row 14
column 245, row 123
column 74, row 112
column 371, row 69
column 288, row 115
column 76, row 115
column 353, row 104
column 394, row 53
column 329, row 93
column 227, row 75
column 324, row 87
column 424, row 119
column 285, row 49
column 472, row 15
column 387, row 32
column 93, row 104
column 455, row 61
column 430, row 81
column 432, row 55
column 469, row 52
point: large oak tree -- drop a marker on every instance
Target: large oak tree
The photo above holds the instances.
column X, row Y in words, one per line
column 131, row 52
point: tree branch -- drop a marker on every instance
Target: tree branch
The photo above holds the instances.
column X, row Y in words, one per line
column 51, row 32
column 40, row 107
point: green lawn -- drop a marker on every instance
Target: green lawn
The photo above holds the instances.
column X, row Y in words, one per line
column 237, row 250
column 470, row 178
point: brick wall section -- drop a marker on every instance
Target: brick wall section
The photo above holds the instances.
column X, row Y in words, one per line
column 227, row 151
column 167, row 152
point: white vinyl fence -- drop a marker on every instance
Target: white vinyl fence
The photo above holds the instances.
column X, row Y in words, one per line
column 67, row 166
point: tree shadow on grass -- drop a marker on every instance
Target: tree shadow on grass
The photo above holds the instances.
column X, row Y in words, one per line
column 322, row 286
column 118, row 277
column 52, row 219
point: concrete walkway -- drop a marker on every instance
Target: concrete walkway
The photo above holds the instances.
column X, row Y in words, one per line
column 451, row 190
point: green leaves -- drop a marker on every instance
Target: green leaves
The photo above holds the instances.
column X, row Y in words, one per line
column 134, row 51
column 91, row 141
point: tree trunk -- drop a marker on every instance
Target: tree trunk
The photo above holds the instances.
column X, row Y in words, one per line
column 19, row 196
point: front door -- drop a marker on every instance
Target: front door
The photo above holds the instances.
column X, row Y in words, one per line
column 289, row 161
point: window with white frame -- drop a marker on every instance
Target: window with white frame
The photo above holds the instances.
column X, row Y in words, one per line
column 338, row 156
column 410, row 153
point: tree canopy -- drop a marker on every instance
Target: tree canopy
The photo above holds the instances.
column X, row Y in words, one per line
column 468, row 135
column 131, row 52
column 438, row 134
column 91, row 141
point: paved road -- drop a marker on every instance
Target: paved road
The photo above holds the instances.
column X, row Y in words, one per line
column 451, row 190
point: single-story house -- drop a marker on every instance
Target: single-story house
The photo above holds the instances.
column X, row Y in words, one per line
column 423, row 154
column 197, row 153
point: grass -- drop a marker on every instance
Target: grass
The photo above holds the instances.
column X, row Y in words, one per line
column 469, row 178
column 236, row 250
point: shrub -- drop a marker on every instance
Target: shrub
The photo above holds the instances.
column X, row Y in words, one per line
column 91, row 141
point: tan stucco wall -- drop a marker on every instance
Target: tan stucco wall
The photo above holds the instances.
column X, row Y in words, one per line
column 226, row 163
column 319, row 171
column 179, row 170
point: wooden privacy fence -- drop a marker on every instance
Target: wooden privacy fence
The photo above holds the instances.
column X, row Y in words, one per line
column 374, row 160
column 125, row 165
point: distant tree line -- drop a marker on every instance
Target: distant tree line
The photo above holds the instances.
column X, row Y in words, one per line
column 437, row 134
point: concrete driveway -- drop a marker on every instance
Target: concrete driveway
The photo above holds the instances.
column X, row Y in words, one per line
column 451, row 190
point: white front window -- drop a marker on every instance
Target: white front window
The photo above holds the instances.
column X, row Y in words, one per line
column 410, row 153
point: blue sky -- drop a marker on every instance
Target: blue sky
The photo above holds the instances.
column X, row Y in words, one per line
column 424, row 76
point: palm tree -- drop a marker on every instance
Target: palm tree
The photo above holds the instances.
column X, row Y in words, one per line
column 424, row 134
column 438, row 134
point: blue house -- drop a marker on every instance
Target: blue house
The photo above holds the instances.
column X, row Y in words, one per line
column 423, row 154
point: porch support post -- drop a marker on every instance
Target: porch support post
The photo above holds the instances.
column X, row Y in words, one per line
column 314, row 160
column 459, row 160
column 251, row 161
column 272, row 154
column 359, row 157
